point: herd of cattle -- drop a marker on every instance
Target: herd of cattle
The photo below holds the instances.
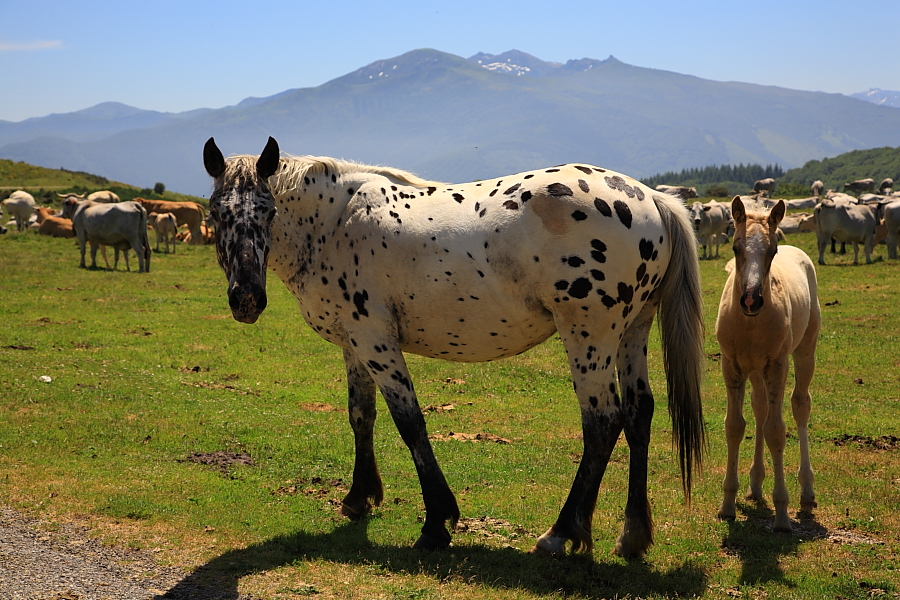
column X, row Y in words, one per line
column 101, row 220
column 867, row 218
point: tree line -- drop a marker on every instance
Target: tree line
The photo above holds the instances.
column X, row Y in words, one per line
column 716, row 174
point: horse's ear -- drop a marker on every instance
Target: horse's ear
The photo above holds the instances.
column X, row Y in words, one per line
column 737, row 210
column 777, row 213
column 213, row 159
column 267, row 163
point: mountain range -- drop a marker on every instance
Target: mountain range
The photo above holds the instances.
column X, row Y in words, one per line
column 456, row 119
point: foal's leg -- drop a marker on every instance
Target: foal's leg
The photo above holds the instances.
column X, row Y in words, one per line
column 761, row 411
column 361, row 404
column 804, row 366
column 385, row 363
column 775, row 431
column 601, row 422
column 735, row 425
column 637, row 409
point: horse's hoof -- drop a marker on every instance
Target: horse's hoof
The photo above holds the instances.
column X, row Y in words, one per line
column 430, row 543
column 353, row 512
column 629, row 550
column 538, row 550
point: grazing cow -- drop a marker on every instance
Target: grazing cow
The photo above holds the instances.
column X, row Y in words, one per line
column 20, row 206
column 802, row 203
column 187, row 213
column 476, row 272
column 796, row 223
column 122, row 226
column 886, row 186
column 207, row 235
column 710, row 220
column 892, row 227
column 166, row 227
column 764, row 185
column 817, row 188
column 679, row 191
column 860, row 185
column 845, row 223
column 769, row 310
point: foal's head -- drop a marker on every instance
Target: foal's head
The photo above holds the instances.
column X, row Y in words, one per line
column 755, row 245
column 242, row 208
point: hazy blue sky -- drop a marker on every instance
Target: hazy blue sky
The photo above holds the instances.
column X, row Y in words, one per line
column 59, row 56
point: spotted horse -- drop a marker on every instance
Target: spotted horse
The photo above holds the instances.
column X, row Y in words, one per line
column 382, row 262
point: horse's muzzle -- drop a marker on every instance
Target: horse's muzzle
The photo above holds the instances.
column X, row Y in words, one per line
column 752, row 302
column 247, row 302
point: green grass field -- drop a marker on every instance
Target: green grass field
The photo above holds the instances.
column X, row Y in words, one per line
column 145, row 370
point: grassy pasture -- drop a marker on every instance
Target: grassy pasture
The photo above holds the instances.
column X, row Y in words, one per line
column 147, row 369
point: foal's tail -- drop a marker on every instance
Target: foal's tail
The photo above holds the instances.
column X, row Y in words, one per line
column 680, row 316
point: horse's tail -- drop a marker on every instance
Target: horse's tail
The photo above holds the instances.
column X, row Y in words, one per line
column 680, row 316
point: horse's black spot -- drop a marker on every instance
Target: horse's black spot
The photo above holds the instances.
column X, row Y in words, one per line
column 584, row 170
column 431, row 190
column 641, row 272
column 562, row 284
column 558, row 189
column 511, row 205
column 639, row 193
column 598, row 275
column 623, row 212
column 376, row 366
column 626, row 292
column 324, row 280
column 512, row 189
column 579, row 215
column 529, row 176
column 608, row 301
column 598, row 251
column 359, row 299
column 458, row 197
column 603, row 207
column 574, row 261
column 526, row 196
column 584, row 186
column 646, row 249
column 552, row 171
column 580, row 288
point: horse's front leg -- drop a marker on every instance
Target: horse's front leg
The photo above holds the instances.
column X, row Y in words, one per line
column 735, row 425
column 361, row 406
column 387, row 367
column 776, row 433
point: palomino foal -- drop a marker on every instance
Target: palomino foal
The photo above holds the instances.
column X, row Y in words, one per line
column 769, row 310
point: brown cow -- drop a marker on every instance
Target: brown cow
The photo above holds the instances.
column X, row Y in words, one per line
column 187, row 213
column 52, row 225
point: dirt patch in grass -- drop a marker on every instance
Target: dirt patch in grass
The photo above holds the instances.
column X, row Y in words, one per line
column 220, row 460
column 315, row 487
column 884, row 442
column 490, row 528
column 469, row 437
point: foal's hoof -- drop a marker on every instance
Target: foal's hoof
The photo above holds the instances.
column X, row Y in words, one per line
column 355, row 512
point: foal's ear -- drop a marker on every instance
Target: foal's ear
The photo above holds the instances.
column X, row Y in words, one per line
column 777, row 213
column 737, row 210
column 267, row 163
column 213, row 159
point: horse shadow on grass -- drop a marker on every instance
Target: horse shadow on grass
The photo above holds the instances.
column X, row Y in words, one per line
column 760, row 549
column 501, row 568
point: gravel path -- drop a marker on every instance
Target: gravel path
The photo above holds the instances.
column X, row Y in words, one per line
column 68, row 564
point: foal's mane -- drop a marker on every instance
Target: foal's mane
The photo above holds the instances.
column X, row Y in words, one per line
column 293, row 169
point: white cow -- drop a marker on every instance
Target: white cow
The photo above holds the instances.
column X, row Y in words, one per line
column 710, row 220
column 846, row 223
column 801, row 203
column 817, row 187
column 166, row 227
column 20, row 206
column 121, row 226
column 764, row 185
column 103, row 196
column 892, row 225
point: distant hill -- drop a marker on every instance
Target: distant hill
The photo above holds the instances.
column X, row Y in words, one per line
column 880, row 97
column 876, row 163
column 454, row 119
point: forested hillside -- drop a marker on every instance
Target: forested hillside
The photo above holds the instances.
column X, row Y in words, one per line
column 876, row 163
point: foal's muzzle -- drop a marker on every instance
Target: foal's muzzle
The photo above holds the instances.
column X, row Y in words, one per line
column 752, row 302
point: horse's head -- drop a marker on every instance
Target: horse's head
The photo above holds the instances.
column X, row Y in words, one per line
column 755, row 245
column 242, row 208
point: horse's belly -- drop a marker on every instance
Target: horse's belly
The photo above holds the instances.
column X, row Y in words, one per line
column 479, row 335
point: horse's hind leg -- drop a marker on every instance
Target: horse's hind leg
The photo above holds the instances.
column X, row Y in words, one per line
column 361, row 406
column 637, row 409
column 601, row 422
